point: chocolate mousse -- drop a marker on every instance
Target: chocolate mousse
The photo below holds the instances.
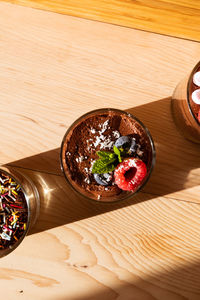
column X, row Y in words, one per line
column 94, row 135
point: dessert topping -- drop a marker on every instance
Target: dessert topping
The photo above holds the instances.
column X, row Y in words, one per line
column 133, row 146
column 123, row 141
column 87, row 180
column 93, row 130
column 103, row 179
column 14, row 212
column 116, row 134
column 196, row 96
column 196, row 78
column 130, row 173
column 104, row 126
column 79, row 159
column 107, row 161
column 126, row 144
column 101, row 140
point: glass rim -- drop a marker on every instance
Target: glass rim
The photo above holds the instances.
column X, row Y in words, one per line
column 188, row 91
column 11, row 248
column 153, row 159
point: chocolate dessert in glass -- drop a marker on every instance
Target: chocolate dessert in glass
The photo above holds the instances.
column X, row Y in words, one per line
column 19, row 208
column 107, row 155
column 186, row 105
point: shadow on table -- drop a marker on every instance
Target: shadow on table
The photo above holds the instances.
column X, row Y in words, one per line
column 177, row 283
column 176, row 157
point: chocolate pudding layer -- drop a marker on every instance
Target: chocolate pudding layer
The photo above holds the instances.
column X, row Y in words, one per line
column 98, row 131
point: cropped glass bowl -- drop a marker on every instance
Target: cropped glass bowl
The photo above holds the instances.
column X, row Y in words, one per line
column 32, row 201
column 181, row 109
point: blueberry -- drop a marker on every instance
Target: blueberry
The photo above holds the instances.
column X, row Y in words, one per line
column 123, row 142
column 127, row 143
column 133, row 146
column 103, row 179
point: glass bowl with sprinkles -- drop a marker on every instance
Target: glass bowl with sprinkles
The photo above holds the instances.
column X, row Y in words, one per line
column 19, row 208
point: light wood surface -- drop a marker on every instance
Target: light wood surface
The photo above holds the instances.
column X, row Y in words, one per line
column 53, row 69
column 179, row 18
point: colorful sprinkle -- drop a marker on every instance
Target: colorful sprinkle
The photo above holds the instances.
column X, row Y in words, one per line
column 13, row 211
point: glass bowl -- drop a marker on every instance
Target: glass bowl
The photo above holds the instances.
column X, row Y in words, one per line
column 19, row 208
column 76, row 126
column 182, row 112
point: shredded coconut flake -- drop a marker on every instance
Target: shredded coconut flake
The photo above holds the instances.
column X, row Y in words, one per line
column 106, row 144
column 97, row 142
column 104, row 126
column 87, row 141
column 102, row 137
column 92, row 162
column 139, row 152
column 87, row 180
column 109, row 177
column 79, row 159
column 116, row 134
column 132, row 163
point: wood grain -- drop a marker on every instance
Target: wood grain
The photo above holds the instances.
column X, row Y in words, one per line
column 148, row 250
column 63, row 67
column 53, row 69
column 179, row 18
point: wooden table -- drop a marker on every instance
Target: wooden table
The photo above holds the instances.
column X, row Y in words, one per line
column 53, row 69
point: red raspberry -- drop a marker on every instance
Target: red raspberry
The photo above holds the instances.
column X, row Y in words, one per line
column 130, row 173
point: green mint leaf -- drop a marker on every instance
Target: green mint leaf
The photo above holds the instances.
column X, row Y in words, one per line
column 104, row 169
column 104, row 154
column 118, row 153
column 116, row 150
column 109, row 168
column 103, row 165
